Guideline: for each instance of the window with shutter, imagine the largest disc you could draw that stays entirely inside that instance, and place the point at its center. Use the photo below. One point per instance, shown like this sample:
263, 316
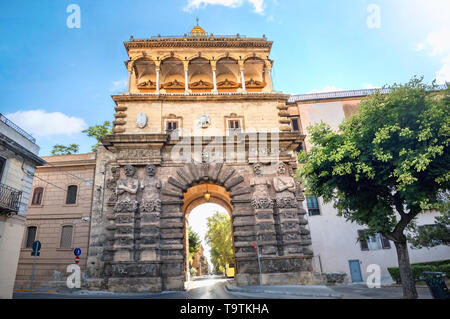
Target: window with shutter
313, 205
66, 237
363, 243
2, 166
234, 126
71, 194
295, 126
37, 196
171, 126
31, 236
385, 242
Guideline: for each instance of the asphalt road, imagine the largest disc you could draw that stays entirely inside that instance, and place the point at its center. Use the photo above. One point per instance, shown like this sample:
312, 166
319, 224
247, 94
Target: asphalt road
201, 288
210, 287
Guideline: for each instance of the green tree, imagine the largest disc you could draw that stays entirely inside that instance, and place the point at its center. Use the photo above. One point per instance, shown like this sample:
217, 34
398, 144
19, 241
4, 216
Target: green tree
65, 150
194, 243
433, 235
386, 164
220, 240
98, 131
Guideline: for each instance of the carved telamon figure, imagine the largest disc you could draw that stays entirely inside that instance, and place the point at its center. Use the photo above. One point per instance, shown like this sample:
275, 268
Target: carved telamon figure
151, 187
285, 188
111, 184
126, 190
260, 184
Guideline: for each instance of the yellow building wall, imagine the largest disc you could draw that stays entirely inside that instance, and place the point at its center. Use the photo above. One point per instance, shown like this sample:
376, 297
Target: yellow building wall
258, 115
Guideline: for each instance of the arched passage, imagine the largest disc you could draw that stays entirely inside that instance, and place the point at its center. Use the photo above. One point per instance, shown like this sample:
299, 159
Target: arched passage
193, 199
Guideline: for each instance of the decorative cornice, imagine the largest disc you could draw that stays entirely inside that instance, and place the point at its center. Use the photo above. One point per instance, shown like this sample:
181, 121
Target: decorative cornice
199, 42
193, 97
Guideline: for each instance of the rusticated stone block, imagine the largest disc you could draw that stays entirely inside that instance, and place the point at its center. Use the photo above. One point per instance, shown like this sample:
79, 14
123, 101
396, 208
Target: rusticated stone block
177, 183
135, 284
233, 182
226, 175
172, 269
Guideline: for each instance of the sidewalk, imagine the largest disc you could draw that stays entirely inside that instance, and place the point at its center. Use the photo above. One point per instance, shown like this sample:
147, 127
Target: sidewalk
343, 291
297, 290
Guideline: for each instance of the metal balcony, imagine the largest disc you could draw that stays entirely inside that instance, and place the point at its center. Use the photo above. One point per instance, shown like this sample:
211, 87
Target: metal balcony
17, 128
9, 199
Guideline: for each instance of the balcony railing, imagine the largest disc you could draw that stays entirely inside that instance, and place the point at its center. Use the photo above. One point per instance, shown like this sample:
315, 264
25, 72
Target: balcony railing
17, 128
9, 199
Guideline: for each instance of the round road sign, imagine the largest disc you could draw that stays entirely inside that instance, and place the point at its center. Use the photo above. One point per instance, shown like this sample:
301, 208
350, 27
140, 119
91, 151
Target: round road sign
36, 245
77, 251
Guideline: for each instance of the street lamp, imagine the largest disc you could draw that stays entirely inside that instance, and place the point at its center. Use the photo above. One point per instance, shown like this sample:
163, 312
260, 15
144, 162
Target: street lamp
207, 195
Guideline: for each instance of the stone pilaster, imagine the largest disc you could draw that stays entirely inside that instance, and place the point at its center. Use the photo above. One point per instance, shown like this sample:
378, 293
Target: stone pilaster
171, 244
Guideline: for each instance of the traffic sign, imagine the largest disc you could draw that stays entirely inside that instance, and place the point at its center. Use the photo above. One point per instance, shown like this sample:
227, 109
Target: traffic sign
36, 245
77, 259
77, 251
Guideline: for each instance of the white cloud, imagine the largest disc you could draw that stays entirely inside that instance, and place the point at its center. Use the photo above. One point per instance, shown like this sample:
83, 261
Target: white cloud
119, 86
443, 75
370, 86
438, 45
326, 89
439, 42
196, 4
39, 123
419, 47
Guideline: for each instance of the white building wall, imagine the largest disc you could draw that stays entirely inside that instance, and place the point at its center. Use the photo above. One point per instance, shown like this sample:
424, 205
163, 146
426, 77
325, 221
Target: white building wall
334, 240
18, 173
11, 233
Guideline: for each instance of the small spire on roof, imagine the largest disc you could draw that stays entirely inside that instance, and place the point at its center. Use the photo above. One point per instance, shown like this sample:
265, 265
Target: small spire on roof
197, 30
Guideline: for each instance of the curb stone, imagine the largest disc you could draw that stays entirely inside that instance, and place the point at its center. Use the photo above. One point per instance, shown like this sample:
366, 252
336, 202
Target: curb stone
269, 291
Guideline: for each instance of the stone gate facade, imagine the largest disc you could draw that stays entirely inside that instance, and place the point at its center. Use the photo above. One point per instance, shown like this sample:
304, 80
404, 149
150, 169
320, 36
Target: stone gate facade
226, 126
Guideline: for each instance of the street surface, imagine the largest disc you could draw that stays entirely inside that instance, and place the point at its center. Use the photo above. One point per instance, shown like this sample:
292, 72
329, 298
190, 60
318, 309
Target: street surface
214, 287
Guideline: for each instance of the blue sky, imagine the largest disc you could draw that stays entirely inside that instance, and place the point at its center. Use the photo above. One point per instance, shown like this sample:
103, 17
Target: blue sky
56, 81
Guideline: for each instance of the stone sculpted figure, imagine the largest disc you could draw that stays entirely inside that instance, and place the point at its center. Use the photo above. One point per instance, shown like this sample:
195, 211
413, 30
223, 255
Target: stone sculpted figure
260, 184
126, 190
151, 187
285, 189
111, 184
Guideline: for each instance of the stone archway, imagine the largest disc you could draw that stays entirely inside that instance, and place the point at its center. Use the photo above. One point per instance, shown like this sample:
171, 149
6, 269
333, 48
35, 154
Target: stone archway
142, 243
189, 177
193, 199
274, 220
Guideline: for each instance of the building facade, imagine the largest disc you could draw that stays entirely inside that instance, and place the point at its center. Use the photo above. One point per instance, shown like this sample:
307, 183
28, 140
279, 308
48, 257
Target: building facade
334, 240
199, 263
59, 217
18, 159
200, 112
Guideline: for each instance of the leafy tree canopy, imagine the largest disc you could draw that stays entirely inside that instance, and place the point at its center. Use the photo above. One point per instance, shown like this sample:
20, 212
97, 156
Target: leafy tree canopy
219, 238
65, 150
99, 131
393, 154
433, 235
194, 241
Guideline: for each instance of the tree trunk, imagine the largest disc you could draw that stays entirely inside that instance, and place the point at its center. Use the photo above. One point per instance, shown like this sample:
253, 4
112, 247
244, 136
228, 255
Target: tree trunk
406, 274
